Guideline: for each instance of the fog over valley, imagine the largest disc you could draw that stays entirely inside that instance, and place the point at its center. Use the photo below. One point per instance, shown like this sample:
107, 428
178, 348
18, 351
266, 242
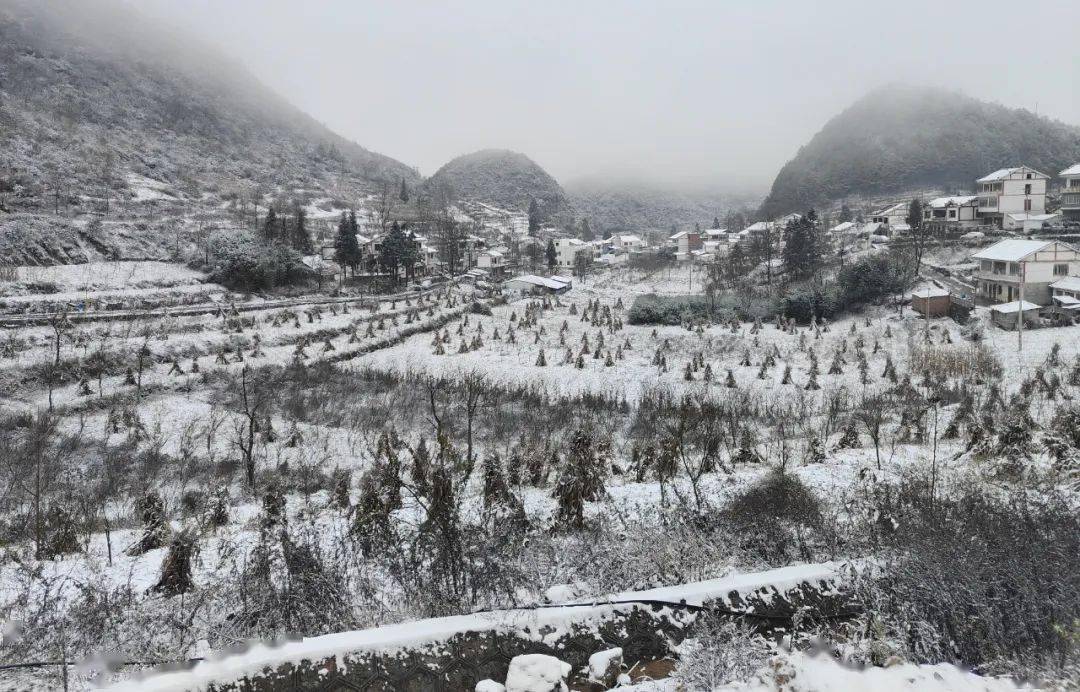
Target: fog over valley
717, 94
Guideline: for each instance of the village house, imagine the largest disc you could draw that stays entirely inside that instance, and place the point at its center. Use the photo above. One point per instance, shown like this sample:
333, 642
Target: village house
845, 227
952, 212
891, 217
1019, 190
686, 242
1036, 263
493, 262
567, 250
626, 243
1070, 193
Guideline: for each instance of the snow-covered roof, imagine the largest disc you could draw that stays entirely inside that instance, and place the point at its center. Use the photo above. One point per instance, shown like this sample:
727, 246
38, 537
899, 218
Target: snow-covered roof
891, 209
562, 279
492, 253
843, 227
1012, 250
958, 201
1008, 308
362, 239
901, 227
758, 226
677, 236
541, 281
973, 235
1071, 170
629, 239
930, 292
1068, 283
1066, 300
1003, 173
1024, 216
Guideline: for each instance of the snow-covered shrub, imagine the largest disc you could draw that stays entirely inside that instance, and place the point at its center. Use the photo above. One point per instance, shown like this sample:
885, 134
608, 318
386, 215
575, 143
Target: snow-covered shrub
722, 651
240, 260
966, 578
779, 519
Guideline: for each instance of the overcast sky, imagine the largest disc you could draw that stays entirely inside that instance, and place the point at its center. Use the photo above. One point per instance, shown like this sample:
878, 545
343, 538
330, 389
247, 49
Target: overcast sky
713, 91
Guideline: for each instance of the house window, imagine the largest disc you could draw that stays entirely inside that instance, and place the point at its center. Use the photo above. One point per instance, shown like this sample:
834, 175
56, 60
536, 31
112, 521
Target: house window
1061, 270
1027, 205
1027, 189
999, 267
1014, 268
952, 213
1028, 176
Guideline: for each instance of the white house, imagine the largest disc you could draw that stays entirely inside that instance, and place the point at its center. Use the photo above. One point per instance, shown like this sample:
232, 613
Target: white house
1011, 190
890, 216
492, 261
1037, 263
626, 243
567, 250
959, 211
847, 227
1070, 193
686, 243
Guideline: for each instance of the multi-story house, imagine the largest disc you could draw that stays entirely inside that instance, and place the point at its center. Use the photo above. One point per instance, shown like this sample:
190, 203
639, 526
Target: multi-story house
1070, 194
686, 242
567, 250
1036, 263
952, 212
1019, 190
493, 262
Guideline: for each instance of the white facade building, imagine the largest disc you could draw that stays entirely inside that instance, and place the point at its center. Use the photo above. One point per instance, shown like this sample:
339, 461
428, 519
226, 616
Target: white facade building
1019, 190
626, 243
890, 216
1070, 193
1037, 263
959, 211
567, 250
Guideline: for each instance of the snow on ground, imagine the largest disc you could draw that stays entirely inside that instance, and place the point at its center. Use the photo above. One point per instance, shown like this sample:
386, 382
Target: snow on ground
104, 276
803, 672
147, 189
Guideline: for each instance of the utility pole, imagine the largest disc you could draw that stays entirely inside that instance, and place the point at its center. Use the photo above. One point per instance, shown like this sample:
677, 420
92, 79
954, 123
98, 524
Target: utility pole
1020, 312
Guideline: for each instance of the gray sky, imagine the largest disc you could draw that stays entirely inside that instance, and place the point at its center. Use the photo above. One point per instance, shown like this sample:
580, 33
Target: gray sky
715, 92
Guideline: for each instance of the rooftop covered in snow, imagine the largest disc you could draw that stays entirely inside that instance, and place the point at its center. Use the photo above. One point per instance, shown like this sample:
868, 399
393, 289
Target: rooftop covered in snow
1014, 307
1012, 250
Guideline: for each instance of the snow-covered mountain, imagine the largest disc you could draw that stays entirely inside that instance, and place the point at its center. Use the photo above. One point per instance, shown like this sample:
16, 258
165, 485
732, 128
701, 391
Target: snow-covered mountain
100, 106
901, 138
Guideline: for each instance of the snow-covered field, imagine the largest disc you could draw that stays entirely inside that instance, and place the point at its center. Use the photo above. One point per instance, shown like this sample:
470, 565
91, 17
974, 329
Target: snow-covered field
177, 426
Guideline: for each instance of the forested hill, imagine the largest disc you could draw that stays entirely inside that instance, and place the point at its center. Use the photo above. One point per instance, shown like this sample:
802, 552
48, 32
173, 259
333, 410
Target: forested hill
505, 179
92, 92
901, 138
614, 206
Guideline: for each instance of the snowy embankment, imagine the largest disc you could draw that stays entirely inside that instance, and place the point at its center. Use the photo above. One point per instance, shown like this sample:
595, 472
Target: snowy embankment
802, 672
544, 625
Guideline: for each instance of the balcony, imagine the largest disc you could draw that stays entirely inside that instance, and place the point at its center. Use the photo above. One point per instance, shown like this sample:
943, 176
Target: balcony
989, 203
1070, 200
